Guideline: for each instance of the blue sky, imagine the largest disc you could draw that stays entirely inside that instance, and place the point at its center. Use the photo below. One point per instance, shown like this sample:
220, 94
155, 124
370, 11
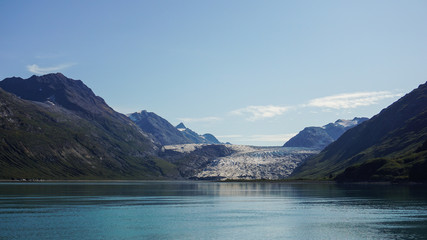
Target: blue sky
250, 72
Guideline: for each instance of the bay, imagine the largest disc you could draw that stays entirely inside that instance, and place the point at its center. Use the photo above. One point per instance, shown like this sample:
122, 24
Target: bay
211, 210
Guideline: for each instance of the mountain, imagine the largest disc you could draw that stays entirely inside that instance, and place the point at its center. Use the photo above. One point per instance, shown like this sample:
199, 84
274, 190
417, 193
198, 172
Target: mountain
162, 131
195, 137
181, 127
390, 146
210, 138
57, 89
54, 127
320, 137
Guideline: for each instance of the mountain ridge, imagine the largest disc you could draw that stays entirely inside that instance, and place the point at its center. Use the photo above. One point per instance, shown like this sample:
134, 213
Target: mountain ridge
162, 131
320, 137
206, 138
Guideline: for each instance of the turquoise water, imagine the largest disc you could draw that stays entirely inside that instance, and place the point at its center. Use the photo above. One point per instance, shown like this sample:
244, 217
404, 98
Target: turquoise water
208, 210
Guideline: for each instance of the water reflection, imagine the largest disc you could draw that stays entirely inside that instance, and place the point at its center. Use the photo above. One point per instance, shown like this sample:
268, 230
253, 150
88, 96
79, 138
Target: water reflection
95, 192
210, 210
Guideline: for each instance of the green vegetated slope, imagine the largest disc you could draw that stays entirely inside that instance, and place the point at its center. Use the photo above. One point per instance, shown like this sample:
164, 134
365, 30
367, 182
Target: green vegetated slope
390, 146
69, 133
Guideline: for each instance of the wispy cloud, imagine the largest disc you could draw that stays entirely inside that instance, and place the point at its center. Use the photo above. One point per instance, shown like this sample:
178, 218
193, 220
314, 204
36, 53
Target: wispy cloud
34, 68
203, 119
260, 112
351, 100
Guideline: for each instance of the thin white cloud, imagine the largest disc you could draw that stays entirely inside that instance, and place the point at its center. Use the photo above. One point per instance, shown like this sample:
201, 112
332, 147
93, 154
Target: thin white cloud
351, 100
260, 112
203, 119
34, 68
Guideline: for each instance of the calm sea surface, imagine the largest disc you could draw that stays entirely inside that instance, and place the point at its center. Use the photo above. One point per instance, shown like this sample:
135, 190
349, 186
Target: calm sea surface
208, 210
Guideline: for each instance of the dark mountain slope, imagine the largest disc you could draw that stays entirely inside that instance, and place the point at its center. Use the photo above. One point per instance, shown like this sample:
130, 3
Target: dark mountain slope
164, 132
387, 147
66, 132
56, 88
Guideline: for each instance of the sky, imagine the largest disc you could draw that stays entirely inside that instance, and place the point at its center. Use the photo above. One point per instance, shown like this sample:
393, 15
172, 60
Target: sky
249, 72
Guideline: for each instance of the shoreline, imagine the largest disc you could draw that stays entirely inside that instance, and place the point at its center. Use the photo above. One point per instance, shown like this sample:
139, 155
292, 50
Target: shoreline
299, 181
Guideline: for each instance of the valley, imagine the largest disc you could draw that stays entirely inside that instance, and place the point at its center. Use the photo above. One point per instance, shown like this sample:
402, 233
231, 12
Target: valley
54, 127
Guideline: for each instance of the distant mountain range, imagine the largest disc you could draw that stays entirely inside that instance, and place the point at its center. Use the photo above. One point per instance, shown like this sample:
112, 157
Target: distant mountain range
391, 146
320, 137
54, 127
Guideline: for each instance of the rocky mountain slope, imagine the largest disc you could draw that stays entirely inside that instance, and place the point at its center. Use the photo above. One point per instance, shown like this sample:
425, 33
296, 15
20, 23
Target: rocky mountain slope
54, 127
165, 133
320, 137
195, 137
390, 146
161, 130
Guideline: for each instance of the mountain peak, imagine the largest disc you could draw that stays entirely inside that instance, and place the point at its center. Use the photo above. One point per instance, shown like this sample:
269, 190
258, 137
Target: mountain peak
58, 75
350, 123
69, 93
161, 130
181, 126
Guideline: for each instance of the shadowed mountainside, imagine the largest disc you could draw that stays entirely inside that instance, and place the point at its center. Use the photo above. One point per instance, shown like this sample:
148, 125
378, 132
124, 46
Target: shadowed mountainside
390, 146
56, 128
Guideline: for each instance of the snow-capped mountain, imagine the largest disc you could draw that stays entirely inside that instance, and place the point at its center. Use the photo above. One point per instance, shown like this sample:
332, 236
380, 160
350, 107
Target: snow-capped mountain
320, 137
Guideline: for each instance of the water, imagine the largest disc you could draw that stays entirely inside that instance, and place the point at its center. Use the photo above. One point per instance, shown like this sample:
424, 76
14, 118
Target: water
207, 210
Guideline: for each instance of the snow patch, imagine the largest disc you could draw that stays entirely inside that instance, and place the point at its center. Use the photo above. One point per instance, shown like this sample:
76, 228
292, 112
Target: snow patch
183, 148
346, 123
133, 118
